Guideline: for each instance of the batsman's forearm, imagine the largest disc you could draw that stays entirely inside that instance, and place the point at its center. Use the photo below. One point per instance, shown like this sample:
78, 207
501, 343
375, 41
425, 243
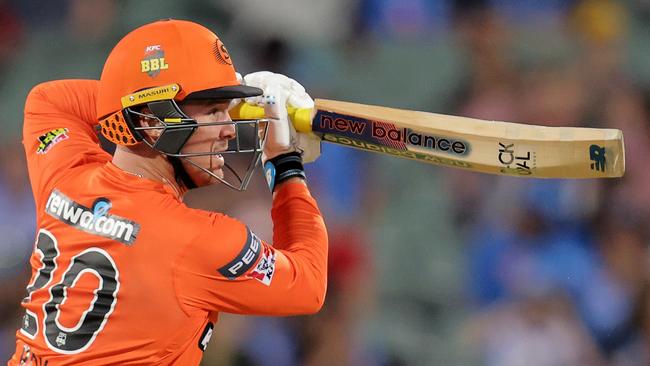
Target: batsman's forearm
299, 232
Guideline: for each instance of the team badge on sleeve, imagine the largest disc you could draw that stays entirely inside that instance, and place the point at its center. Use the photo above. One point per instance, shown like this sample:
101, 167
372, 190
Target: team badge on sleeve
255, 260
51, 138
265, 268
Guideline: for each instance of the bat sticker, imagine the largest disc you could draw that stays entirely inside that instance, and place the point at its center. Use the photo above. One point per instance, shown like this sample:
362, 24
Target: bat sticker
387, 134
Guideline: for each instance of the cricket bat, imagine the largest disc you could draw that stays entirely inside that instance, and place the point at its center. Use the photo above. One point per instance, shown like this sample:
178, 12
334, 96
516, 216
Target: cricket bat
503, 148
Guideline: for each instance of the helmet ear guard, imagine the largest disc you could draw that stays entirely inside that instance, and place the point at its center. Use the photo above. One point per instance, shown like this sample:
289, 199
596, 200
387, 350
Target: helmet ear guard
119, 130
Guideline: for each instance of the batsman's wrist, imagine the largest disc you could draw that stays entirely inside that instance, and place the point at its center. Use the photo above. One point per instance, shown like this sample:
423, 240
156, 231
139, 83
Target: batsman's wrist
294, 180
282, 168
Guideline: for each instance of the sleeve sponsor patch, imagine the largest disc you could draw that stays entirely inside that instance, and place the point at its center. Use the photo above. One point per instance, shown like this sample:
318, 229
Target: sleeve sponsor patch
256, 260
265, 268
205, 336
246, 258
51, 138
94, 220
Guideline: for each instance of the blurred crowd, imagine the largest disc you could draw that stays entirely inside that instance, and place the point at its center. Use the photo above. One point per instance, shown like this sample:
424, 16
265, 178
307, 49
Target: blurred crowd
428, 265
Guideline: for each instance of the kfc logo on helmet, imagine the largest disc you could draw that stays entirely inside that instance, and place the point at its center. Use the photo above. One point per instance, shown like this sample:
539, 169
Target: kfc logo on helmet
149, 49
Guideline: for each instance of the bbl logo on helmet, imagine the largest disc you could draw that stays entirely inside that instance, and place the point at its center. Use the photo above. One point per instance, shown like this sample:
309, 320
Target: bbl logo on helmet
153, 61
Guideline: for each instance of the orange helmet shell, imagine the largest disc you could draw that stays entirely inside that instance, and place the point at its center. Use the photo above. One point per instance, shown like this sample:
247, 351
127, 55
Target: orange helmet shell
161, 53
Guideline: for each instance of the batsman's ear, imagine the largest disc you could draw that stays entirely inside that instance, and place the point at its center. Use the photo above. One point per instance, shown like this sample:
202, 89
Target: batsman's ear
143, 121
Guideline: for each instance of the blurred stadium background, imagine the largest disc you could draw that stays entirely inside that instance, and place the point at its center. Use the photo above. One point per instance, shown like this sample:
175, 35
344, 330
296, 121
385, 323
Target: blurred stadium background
429, 265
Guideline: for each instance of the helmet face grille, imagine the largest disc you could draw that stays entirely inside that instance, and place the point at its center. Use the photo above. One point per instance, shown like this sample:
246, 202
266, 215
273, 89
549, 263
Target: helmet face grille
116, 130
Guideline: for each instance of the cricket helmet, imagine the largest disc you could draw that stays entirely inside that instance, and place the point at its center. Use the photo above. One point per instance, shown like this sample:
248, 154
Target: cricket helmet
159, 65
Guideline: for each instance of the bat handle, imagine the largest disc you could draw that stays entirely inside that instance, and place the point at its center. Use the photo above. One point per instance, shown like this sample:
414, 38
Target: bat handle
300, 117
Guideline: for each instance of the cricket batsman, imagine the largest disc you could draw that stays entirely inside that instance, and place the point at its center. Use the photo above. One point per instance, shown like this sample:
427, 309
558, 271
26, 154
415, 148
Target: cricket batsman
124, 273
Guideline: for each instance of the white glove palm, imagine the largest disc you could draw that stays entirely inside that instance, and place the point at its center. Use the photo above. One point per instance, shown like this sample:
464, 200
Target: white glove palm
280, 91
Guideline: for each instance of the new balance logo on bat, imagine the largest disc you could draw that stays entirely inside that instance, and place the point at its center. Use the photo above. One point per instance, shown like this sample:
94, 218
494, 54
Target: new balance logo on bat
387, 134
597, 156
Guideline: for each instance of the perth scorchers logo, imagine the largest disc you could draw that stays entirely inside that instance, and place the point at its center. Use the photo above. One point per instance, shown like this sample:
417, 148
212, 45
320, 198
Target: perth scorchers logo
221, 53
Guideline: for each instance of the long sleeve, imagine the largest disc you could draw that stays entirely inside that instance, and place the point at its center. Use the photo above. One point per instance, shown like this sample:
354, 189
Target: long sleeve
58, 131
229, 269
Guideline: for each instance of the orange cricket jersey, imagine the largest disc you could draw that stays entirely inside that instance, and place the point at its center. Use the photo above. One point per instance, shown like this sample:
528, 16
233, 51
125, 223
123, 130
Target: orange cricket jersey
123, 273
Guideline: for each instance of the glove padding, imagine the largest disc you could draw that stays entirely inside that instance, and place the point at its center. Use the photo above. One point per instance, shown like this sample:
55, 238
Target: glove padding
280, 91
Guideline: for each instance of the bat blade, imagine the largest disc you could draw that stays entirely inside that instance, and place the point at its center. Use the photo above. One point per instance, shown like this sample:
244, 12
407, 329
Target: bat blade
493, 147
484, 146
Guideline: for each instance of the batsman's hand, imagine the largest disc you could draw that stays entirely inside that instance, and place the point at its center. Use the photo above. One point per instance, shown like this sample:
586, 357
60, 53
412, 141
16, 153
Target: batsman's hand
279, 92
